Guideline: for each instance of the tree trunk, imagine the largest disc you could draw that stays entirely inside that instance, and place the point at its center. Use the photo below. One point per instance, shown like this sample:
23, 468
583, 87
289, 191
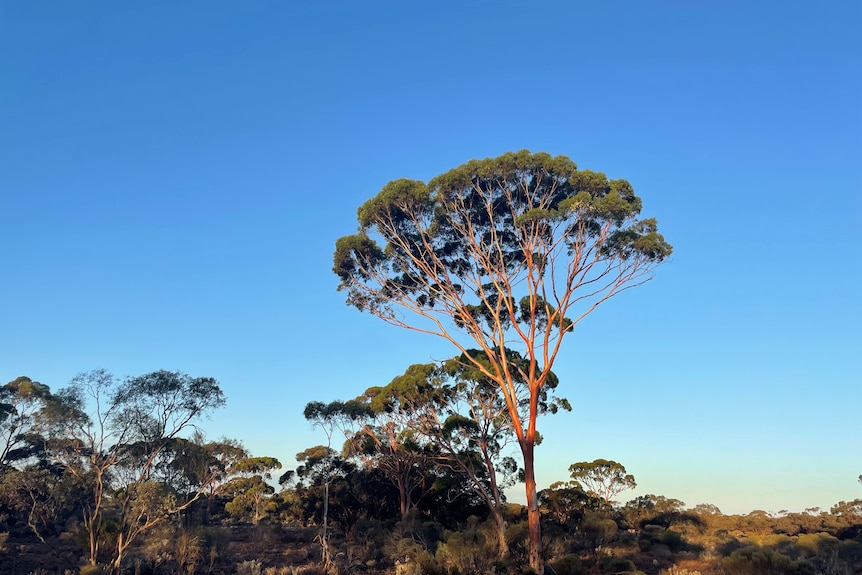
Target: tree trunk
115, 564
502, 544
92, 536
324, 539
403, 495
527, 449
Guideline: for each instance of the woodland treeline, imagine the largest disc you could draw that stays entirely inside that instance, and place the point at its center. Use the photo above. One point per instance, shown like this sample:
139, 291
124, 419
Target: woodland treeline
109, 476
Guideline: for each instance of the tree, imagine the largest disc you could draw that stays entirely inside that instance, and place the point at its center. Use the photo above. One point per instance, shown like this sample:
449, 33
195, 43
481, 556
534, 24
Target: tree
85, 445
358, 498
602, 478
20, 400
388, 443
567, 504
454, 408
645, 509
329, 418
205, 466
509, 252
114, 436
42, 494
380, 435
156, 407
249, 489
458, 409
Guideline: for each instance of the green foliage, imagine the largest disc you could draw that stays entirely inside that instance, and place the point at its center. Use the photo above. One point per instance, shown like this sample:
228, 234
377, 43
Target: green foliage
251, 501
20, 401
262, 466
163, 402
352, 255
569, 565
641, 510
602, 478
120, 441
250, 492
507, 202
598, 530
612, 565
755, 560
319, 412
652, 538
398, 199
470, 551
812, 544
566, 504
518, 539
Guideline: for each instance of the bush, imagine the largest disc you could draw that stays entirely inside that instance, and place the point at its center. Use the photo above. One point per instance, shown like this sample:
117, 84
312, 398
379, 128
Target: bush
518, 538
754, 560
472, 551
569, 565
653, 537
250, 567
617, 565
812, 544
598, 530
675, 570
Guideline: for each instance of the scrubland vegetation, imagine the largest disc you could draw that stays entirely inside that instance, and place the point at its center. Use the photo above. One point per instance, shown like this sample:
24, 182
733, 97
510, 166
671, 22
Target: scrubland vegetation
115, 488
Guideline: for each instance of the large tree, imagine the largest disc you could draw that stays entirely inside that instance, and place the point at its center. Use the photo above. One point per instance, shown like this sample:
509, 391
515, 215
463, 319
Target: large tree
505, 253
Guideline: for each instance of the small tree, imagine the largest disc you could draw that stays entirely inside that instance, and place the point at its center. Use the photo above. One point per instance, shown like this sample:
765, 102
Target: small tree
20, 401
508, 254
458, 410
111, 436
332, 417
567, 504
602, 478
196, 465
388, 443
250, 490
86, 444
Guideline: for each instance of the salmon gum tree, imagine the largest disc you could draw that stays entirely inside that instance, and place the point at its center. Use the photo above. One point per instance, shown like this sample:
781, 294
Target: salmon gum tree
506, 254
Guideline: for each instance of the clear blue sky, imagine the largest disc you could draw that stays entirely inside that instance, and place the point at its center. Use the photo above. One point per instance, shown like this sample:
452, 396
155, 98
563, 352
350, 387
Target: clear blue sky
173, 177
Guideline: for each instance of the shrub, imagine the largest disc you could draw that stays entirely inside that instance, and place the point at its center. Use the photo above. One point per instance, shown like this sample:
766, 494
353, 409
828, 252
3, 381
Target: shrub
598, 530
812, 544
472, 551
676, 570
518, 538
569, 565
754, 560
617, 565
250, 567
654, 537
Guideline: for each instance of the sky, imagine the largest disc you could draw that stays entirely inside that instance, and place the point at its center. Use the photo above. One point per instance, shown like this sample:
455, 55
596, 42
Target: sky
174, 175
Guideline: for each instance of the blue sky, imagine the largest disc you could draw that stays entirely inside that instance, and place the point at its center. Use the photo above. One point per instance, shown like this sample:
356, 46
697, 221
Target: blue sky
173, 177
